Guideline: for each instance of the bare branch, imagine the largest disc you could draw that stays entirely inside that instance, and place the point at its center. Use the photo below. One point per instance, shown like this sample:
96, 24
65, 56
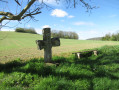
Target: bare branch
89, 7
10, 16
26, 12
74, 3
3, 18
17, 2
30, 14
26, 8
4, 24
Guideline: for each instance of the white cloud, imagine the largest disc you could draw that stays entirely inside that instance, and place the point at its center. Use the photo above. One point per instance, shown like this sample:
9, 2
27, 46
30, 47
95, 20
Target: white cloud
9, 22
38, 30
84, 23
6, 29
59, 13
28, 25
46, 26
93, 33
114, 15
70, 16
89, 34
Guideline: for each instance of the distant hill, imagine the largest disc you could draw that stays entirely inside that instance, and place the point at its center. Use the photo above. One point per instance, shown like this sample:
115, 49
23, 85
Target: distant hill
96, 38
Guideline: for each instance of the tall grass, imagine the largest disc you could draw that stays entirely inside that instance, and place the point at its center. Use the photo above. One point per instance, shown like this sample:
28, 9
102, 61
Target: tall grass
89, 73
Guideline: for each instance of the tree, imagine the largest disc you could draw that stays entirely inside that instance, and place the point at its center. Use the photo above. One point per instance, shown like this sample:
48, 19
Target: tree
113, 37
64, 34
107, 37
26, 30
28, 11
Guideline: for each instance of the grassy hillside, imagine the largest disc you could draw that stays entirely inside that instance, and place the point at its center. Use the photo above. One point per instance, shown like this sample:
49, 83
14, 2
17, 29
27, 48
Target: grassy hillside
89, 73
22, 45
13, 40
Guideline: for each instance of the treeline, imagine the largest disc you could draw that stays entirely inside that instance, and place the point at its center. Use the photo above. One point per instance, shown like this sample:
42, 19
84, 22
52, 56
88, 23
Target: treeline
26, 30
64, 34
111, 37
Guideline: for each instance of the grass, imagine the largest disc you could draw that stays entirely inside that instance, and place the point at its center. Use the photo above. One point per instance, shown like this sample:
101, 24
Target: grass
22, 45
89, 73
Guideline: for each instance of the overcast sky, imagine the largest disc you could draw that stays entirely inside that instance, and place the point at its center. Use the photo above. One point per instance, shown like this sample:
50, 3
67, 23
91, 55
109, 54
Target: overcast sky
103, 20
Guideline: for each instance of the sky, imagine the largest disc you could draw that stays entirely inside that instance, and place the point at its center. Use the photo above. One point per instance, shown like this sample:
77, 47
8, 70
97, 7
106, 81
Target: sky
95, 23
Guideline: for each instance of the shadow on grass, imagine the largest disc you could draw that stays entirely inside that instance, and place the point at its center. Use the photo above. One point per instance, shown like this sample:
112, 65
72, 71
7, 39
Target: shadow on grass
37, 66
8, 67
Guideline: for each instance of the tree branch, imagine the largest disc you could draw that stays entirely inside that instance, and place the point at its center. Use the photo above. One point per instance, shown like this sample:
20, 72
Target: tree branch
23, 14
30, 14
89, 7
26, 8
17, 2
3, 18
10, 16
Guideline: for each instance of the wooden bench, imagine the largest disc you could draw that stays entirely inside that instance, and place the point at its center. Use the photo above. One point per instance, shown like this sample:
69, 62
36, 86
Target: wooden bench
85, 53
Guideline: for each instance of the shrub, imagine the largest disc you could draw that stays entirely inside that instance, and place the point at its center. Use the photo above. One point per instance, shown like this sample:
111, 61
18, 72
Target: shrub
20, 30
113, 37
26, 30
64, 34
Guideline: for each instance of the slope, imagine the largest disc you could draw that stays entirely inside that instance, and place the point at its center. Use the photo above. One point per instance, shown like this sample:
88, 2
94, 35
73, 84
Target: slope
22, 45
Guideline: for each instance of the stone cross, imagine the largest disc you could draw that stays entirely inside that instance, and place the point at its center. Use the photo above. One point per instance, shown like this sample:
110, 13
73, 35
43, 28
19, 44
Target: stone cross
47, 43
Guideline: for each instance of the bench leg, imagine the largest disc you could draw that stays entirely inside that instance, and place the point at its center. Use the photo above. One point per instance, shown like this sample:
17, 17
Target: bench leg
95, 53
78, 55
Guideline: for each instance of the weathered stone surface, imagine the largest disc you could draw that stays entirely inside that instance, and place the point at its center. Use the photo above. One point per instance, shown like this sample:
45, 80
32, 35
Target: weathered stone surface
40, 44
47, 43
55, 41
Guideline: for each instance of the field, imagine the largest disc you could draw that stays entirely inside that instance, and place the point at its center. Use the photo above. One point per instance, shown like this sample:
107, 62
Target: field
26, 69
89, 73
22, 45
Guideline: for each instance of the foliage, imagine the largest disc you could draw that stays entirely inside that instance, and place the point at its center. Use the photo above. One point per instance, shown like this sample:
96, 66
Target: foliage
26, 30
113, 37
89, 73
64, 34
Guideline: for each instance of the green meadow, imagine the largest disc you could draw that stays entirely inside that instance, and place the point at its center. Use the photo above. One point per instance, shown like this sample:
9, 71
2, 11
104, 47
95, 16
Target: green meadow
89, 73
22, 66
22, 45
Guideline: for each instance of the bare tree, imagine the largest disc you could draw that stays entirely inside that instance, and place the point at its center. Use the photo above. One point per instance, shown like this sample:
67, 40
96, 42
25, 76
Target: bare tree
28, 11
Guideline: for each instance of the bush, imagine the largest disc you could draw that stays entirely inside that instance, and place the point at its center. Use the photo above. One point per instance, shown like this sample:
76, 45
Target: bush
64, 34
26, 30
20, 30
109, 37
